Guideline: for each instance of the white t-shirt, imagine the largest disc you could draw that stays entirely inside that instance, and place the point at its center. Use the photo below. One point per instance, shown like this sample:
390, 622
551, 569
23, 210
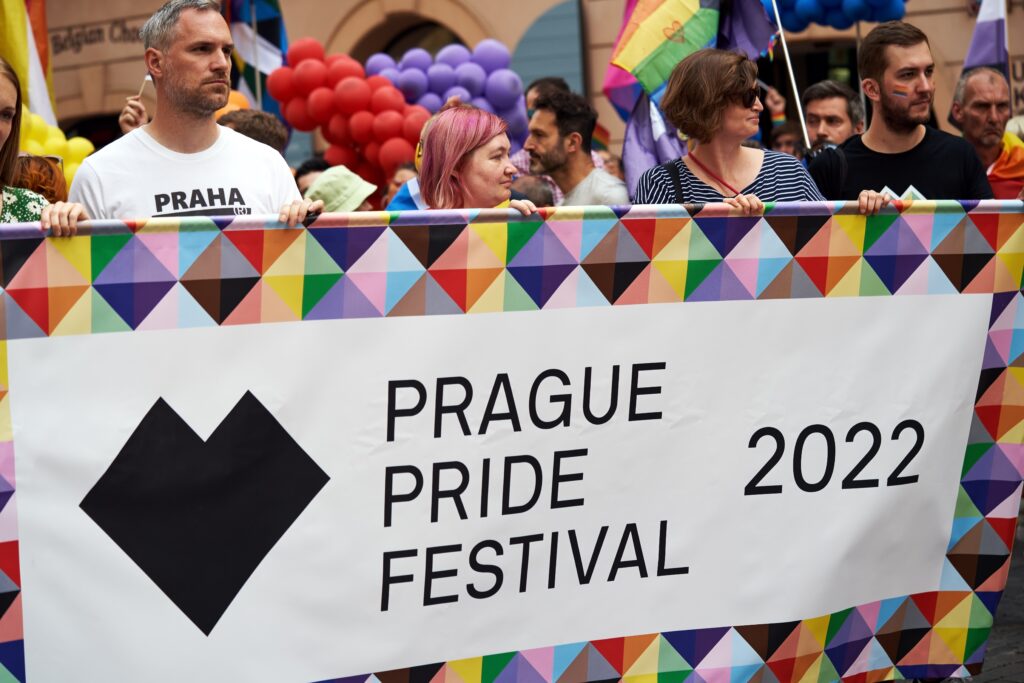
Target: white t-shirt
137, 177
598, 188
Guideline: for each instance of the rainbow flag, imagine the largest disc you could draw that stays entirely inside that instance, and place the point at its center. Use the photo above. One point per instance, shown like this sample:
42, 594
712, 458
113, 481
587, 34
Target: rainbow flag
256, 53
25, 46
659, 33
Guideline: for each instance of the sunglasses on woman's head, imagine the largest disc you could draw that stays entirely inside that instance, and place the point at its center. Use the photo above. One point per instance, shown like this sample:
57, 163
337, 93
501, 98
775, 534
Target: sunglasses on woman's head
49, 157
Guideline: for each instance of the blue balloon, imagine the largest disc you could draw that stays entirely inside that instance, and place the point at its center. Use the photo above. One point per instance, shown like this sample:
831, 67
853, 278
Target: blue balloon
453, 55
472, 77
378, 62
877, 3
430, 101
412, 83
416, 58
492, 55
783, 5
831, 4
482, 103
504, 89
440, 77
891, 11
858, 10
458, 91
810, 11
391, 74
791, 22
838, 19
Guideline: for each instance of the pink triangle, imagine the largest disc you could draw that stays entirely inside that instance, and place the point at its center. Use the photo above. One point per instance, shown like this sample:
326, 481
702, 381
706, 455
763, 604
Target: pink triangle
7, 461
1007, 320
869, 613
1015, 453
921, 225
373, 285
718, 675
745, 270
165, 315
1008, 508
720, 655
1002, 340
455, 256
750, 246
11, 625
374, 259
637, 291
33, 274
273, 309
565, 295
248, 311
164, 246
916, 283
659, 291
9, 521
542, 660
570, 234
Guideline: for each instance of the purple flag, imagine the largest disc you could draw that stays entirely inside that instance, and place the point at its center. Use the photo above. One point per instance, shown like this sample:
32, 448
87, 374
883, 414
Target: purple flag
650, 140
988, 43
744, 25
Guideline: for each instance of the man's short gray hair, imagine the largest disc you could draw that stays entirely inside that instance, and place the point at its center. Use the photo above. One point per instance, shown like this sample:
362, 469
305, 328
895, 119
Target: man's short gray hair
961, 85
159, 28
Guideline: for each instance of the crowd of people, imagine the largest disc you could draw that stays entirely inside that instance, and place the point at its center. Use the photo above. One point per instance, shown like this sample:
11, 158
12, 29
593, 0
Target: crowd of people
183, 160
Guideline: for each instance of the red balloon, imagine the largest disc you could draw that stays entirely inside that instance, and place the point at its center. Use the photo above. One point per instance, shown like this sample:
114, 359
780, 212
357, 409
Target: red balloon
371, 152
280, 84
413, 124
394, 152
304, 49
360, 126
377, 82
297, 113
336, 132
331, 59
369, 173
309, 76
342, 68
387, 125
351, 95
320, 104
387, 99
337, 155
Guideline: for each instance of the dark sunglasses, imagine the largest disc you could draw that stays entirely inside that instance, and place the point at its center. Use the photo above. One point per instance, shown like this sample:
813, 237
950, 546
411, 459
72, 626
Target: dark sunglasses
748, 97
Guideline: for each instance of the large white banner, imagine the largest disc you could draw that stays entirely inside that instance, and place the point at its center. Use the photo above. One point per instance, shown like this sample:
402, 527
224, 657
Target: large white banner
464, 485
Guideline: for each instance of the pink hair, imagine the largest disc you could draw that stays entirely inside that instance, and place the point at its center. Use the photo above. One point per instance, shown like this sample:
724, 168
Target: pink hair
451, 137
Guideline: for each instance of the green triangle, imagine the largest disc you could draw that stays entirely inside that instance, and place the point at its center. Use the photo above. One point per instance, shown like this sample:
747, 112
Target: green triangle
697, 272
516, 298
673, 676
314, 287
701, 248
827, 673
196, 224
965, 507
6, 676
599, 213
669, 660
870, 283
876, 226
974, 453
494, 665
318, 261
981, 618
518, 235
105, 318
976, 637
104, 248
835, 622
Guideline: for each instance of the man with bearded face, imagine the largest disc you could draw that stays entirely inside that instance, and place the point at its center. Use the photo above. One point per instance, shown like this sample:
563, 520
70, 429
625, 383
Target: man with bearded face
981, 108
182, 163
899, 152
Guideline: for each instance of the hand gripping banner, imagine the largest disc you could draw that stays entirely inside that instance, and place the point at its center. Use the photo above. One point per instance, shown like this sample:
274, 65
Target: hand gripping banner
676, 445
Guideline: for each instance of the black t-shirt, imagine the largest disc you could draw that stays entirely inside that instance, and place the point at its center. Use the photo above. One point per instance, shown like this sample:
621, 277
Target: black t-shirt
941, 166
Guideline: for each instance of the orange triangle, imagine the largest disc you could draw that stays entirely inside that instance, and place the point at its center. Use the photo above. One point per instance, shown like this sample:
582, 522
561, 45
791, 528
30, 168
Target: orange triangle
62, 300
665, 232
633, 647
478, 280
1009, 417
838, 267
275, 242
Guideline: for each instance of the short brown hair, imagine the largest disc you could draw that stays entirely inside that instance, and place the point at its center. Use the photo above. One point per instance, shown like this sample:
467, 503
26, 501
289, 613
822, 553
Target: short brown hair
258, 125
872, 62
701, 86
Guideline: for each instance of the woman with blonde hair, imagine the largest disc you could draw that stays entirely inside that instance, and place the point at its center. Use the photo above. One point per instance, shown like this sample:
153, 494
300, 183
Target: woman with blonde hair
18, 205
712, 97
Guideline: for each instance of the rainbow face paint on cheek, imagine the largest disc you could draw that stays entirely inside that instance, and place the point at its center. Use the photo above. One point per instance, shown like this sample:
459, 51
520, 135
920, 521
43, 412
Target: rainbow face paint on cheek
900, 91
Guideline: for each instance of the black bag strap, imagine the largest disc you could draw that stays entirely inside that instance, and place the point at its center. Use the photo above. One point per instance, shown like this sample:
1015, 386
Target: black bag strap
677, 182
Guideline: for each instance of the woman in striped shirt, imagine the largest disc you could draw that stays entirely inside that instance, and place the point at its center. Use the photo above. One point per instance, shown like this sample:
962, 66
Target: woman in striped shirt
712, 97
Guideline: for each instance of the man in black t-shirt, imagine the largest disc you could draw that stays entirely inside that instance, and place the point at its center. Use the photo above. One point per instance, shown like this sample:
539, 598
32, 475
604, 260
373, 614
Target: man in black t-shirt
899, 152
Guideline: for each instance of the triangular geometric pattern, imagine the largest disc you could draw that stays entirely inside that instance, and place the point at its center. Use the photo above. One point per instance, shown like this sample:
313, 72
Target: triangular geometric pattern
201, 272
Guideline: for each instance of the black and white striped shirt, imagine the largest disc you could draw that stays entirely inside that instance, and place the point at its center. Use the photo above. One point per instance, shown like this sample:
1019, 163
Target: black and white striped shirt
782, 178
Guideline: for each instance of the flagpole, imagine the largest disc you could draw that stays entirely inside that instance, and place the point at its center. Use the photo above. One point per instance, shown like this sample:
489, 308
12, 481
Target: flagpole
256, 55
863, 99
1009, 59
792, 77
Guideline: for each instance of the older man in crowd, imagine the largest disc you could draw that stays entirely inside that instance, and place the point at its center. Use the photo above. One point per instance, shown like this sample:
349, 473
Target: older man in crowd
981, 108
182, 162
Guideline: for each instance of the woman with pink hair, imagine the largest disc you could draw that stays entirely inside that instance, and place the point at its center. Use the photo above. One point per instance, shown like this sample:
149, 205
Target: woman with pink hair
466, 162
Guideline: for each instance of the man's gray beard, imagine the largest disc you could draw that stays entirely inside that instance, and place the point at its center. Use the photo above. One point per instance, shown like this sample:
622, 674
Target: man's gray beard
194, 106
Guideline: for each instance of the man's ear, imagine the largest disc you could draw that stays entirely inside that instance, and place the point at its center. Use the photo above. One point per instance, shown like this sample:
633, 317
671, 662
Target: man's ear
871, 89
154, 62
573, 142
957, 112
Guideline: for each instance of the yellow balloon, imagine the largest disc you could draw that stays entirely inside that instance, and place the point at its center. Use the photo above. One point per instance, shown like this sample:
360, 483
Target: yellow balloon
78, 149
69, 172
26, 120
33, 147
40, 129
56, 144
55, 132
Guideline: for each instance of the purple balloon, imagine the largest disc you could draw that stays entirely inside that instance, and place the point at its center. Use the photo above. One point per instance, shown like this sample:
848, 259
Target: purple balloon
416, 58
391, 74
503, 88
457, 91
516, 119
440, 77
431, 102
453, 55
472, 77
378, 62
482, 103
492, 55
412, 83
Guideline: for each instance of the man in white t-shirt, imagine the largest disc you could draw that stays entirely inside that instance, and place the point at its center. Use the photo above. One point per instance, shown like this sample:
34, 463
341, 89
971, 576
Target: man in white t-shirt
182, 163
561, 130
